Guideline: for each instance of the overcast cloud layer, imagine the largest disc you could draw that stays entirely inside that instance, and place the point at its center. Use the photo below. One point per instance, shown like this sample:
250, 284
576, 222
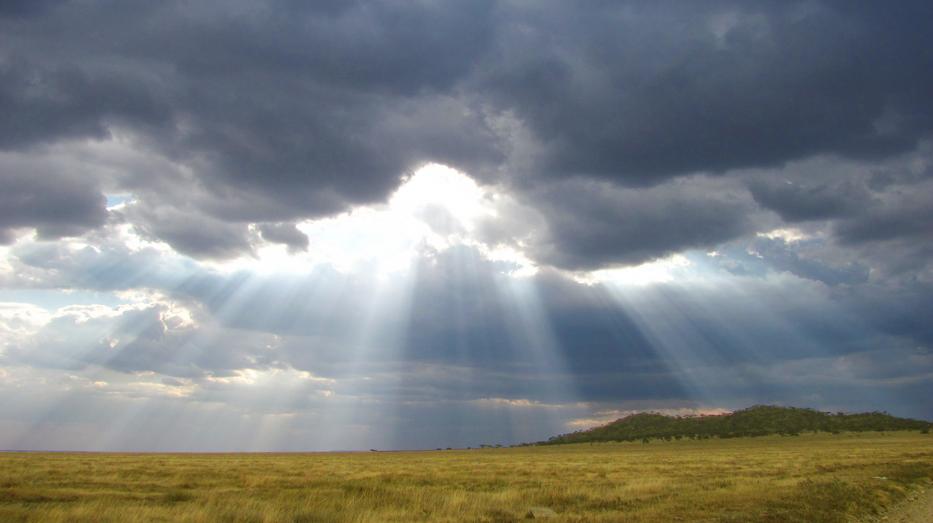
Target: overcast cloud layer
218, 212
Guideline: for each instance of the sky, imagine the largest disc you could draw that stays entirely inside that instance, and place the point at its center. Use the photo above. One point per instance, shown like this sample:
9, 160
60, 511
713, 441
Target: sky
251, 226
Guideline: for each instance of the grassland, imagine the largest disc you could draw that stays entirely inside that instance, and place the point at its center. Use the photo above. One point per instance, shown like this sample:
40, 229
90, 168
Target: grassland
819, 477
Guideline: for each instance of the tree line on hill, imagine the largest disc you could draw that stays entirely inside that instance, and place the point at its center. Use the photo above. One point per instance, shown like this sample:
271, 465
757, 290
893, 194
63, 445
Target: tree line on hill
760, 420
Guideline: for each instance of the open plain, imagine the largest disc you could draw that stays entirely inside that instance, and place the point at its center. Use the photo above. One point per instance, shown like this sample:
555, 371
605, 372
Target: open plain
813, 477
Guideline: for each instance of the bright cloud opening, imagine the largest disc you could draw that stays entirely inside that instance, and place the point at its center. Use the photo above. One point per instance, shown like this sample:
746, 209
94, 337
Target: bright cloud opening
657, 271
436, 207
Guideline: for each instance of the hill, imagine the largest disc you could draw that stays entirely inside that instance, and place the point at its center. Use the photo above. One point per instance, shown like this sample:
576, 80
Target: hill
760, 420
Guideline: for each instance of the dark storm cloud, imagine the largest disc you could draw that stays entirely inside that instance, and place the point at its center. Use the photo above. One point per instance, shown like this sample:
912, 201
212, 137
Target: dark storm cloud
893, 233
284, 233
796, 202
901, 310
55, 203
639, 92
286, 111
44, 103
26, 7
189, 232
592, 225
908, 217
315, 108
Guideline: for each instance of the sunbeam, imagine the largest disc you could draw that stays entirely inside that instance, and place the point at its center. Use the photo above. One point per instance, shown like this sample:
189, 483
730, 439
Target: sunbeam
421, 227
416, 308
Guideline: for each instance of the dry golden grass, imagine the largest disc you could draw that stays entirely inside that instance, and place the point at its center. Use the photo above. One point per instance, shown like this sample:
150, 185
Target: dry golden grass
807, 478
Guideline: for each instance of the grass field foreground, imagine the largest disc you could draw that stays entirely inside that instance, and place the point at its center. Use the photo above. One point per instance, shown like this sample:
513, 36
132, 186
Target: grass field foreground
814, 477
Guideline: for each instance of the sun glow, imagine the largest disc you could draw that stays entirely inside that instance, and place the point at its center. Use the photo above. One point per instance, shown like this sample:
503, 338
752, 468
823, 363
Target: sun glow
443, 198
436, 207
